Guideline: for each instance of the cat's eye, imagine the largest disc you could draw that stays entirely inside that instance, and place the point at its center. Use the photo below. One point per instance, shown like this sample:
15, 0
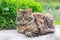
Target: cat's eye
19, 15
18, 18
27, 17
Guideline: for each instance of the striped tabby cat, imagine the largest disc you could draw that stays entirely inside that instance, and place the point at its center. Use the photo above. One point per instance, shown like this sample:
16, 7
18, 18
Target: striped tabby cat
34, 24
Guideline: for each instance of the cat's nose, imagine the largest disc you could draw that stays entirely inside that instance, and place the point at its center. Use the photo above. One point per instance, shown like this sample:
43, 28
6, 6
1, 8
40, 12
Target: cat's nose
24, 24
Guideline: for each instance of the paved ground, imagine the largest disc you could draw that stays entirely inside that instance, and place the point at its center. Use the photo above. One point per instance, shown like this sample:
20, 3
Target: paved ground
14, 35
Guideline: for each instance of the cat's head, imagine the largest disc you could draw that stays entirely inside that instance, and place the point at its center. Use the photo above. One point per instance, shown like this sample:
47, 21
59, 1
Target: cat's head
24, 16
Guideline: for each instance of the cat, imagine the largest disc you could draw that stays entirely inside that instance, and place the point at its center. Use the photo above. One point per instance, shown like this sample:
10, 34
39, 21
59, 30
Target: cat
34, 24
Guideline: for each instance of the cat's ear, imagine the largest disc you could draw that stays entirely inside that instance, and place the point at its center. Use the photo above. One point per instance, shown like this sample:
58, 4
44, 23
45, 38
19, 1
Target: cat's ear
30, 10
19, 10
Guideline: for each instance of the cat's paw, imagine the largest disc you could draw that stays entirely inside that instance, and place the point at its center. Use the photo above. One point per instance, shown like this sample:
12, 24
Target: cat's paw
42, 32
28, 34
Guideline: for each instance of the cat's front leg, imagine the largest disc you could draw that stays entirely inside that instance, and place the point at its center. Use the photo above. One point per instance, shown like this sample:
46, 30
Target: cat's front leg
31, 34
28, 34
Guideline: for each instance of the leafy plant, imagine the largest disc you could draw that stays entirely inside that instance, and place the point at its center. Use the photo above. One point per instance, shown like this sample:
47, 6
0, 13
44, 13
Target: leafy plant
8, 11
26, 4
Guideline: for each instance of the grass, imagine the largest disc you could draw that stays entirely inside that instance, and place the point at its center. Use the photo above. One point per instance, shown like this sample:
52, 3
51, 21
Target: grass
57, 22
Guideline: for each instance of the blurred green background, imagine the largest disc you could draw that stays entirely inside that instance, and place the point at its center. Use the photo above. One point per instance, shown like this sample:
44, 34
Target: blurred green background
8, 10
52, 7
